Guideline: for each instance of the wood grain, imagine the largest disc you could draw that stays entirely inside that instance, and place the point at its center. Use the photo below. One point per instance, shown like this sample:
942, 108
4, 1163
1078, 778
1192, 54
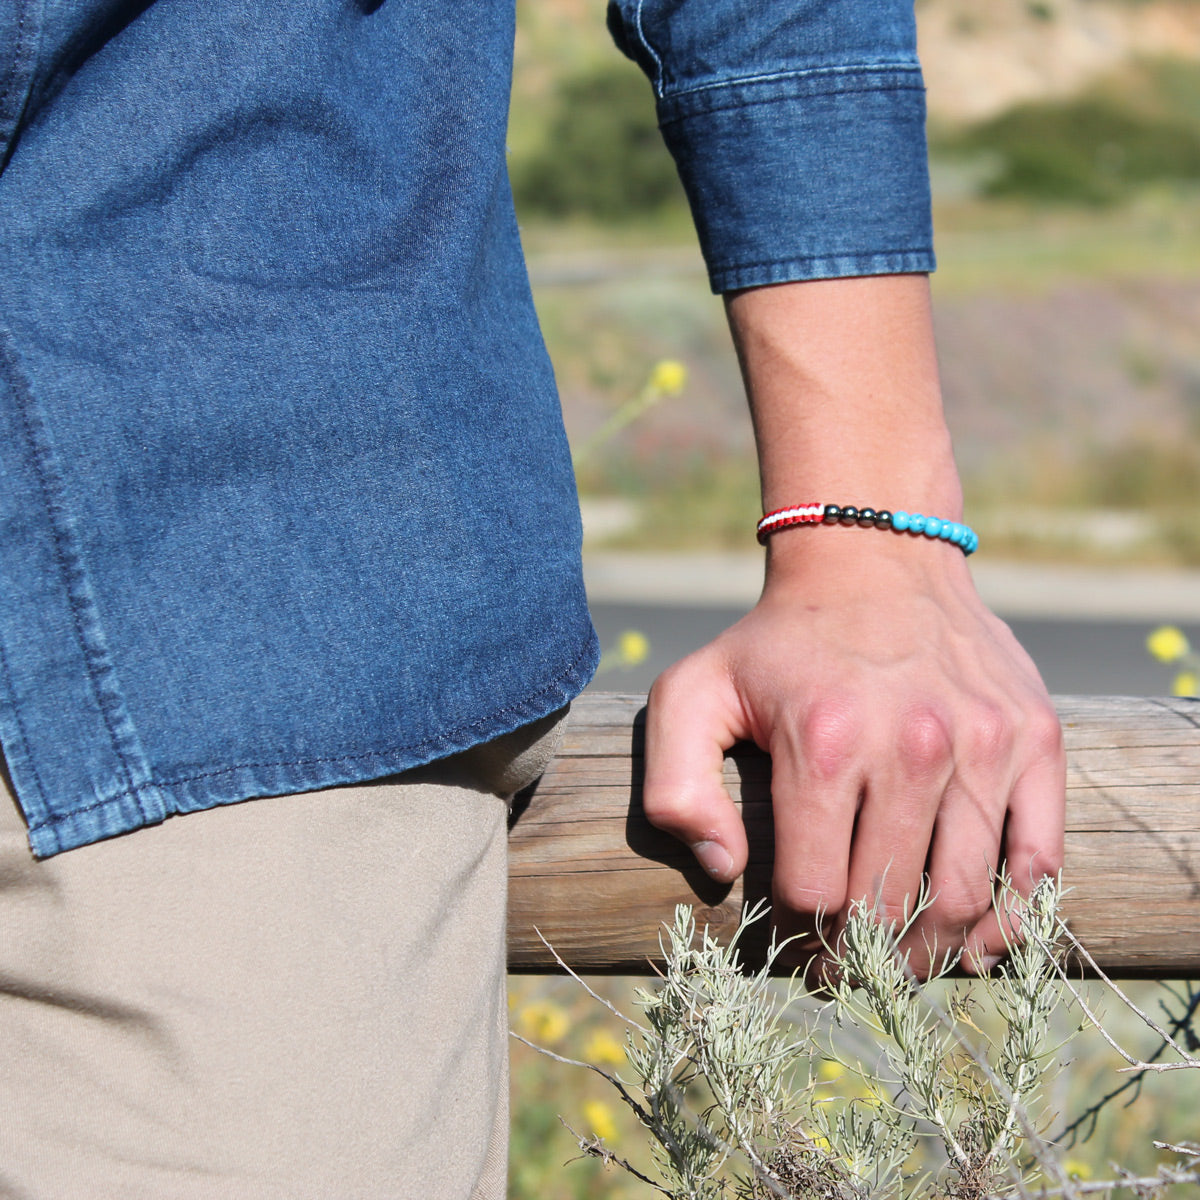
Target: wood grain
598, 882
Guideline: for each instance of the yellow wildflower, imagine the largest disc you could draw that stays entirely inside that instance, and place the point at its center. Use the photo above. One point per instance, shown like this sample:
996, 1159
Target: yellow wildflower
668, 377
603, 1049
1168, 644
543, 1021
1077, 1169
599, 1117
1187, 683
632, 647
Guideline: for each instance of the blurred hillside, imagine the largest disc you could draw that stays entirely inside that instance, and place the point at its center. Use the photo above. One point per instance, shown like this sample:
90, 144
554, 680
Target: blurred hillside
981, 59
1067, 97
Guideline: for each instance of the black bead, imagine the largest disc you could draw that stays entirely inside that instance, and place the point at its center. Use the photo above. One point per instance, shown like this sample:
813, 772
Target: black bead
866, 516
883, 519
849, 514
832, 514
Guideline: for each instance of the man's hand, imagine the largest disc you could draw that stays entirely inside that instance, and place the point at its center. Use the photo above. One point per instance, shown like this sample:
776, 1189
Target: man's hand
909, 732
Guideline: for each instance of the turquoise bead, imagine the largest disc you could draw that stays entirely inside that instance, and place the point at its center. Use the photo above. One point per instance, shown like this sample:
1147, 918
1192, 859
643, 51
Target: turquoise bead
954, 532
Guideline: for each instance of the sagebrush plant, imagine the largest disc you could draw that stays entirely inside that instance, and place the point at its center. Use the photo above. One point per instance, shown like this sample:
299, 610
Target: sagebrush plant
875, 1087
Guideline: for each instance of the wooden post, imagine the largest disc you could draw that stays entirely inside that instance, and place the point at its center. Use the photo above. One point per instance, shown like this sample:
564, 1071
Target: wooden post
598, 882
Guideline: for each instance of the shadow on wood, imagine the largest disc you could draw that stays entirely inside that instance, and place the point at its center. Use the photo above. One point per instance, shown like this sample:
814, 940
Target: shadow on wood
598, 881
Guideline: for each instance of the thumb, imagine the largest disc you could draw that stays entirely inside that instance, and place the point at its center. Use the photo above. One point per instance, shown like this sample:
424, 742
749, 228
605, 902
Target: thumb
692, 718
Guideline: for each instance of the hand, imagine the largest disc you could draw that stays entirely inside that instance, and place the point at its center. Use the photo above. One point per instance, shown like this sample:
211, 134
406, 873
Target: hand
909, 733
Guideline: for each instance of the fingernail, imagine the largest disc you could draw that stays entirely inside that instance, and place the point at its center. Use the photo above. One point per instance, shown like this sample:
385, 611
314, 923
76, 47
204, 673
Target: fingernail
714, 858
985, 964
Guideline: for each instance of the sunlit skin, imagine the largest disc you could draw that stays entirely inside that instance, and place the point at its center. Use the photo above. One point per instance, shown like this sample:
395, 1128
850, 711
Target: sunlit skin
908, 730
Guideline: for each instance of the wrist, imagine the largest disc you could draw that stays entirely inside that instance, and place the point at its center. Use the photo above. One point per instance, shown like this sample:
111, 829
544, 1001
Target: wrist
897, 467
859, 557
901, 521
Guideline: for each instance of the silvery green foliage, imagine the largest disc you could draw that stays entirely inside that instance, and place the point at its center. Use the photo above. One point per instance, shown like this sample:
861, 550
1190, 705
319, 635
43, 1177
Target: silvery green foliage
717, 1065
728, 1086
980, 1097
940, 1093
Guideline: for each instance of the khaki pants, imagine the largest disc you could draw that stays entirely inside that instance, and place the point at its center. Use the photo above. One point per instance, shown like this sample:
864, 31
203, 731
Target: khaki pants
298, 998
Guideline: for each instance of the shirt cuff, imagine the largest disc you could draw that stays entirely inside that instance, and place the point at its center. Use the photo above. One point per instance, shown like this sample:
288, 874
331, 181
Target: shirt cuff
805, 175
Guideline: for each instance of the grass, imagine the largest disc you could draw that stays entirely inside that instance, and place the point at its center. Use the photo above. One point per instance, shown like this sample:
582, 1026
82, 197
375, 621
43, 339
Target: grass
1018, 248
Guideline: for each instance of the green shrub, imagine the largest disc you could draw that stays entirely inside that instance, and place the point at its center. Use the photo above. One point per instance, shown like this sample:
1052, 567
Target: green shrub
602, 155
1090, 151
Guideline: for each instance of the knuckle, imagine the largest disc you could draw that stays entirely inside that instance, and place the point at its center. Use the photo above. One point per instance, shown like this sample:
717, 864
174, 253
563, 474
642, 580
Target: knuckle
991, 736
1037, 862
889, 909
671, 685
961, 907
1045, 863
830, 738
924, 743
1045, 734
669, 809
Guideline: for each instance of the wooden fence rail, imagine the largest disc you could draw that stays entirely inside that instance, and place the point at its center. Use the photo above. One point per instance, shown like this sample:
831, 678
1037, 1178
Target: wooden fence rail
598, 881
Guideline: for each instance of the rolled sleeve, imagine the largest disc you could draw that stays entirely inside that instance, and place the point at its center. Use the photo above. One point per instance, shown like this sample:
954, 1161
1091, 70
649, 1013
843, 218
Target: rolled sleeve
798, 129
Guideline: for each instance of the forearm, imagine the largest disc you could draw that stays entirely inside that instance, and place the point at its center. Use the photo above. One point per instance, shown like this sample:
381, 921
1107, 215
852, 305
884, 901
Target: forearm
843, 386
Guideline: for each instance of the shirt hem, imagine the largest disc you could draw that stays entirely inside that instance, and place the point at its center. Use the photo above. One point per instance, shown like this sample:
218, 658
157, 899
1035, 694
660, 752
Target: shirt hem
121, 814
805, 267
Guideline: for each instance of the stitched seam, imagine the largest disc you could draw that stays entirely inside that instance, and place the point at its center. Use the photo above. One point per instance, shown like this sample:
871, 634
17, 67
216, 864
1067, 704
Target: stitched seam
12, 73
22, 732
10, 86
806, 73
641, 33
740, 104
133, 790
24, 402
856, 254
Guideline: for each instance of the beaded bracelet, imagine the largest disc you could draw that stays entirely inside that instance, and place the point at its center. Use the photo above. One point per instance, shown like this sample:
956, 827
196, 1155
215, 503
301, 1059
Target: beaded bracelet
962, 536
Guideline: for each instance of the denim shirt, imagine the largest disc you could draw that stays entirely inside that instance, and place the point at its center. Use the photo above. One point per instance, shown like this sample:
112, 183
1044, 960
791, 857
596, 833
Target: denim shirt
286, 497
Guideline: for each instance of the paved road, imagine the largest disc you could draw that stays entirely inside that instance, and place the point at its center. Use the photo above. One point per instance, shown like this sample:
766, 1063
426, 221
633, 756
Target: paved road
1092, 656
1085, 627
